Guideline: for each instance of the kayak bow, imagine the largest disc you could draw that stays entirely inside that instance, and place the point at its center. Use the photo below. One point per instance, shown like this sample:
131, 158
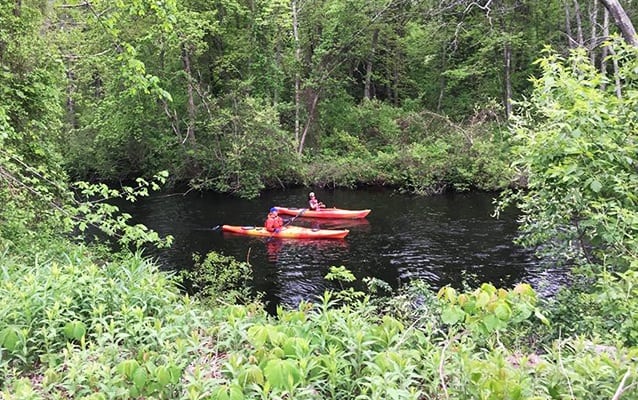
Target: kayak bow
324, 212
288, 232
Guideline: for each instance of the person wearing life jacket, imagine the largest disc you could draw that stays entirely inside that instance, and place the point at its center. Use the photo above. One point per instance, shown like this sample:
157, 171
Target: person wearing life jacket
313, 203
273, 222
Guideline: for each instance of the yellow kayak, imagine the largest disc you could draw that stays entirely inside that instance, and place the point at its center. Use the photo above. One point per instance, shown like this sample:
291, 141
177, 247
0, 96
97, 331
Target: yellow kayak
287, 232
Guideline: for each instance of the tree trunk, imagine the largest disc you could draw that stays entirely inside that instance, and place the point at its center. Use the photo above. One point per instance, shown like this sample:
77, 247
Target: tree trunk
367, 91
395, 84
579, 24
618, 83
622, 21
568, 26
70, 101
442, 80
593, 22
295, 32
190, 130
605, 49
507, 58
314, 95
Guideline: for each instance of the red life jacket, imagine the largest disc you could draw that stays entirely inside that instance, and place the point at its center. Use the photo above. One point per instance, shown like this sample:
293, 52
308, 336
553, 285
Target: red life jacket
273, 223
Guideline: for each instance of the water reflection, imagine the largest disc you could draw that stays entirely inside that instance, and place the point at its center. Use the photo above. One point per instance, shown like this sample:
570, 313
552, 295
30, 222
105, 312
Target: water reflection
361, 224
298, 267
295, 268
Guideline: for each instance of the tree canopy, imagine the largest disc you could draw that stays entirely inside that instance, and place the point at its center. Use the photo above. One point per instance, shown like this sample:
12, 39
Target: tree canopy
208, 89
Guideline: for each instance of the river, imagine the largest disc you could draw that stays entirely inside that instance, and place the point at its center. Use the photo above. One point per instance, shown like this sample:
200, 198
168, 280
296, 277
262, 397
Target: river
447, 239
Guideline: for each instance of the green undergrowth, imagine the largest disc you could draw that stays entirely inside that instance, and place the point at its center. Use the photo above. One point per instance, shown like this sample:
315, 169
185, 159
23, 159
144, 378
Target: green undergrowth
450, 159
76, 326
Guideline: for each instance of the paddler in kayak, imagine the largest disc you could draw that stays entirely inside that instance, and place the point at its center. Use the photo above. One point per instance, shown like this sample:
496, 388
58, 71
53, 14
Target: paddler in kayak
273, 222
313, 203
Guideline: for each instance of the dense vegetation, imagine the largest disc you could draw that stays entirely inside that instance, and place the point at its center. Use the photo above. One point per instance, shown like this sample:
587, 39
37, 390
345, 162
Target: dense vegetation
236, 96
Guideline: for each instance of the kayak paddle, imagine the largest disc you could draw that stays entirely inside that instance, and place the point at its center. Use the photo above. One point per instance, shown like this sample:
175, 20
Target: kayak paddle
303, 210
214, 228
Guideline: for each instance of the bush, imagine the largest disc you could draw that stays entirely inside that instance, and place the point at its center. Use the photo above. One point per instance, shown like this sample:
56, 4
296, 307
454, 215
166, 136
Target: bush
219, 279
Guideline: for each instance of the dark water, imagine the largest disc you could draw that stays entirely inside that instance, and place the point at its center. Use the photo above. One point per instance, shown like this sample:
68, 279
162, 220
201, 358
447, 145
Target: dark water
449, 239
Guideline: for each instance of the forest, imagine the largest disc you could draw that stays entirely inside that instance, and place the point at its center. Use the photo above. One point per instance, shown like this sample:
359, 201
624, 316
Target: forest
102, 100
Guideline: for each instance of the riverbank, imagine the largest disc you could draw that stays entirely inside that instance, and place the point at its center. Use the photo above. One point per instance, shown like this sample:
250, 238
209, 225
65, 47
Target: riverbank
413, 158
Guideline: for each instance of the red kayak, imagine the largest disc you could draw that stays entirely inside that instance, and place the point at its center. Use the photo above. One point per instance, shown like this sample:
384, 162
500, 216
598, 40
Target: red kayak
324, 213
288, 232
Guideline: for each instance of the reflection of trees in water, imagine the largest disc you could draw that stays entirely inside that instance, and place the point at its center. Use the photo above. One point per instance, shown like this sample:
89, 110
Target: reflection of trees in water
361, 224
315, 247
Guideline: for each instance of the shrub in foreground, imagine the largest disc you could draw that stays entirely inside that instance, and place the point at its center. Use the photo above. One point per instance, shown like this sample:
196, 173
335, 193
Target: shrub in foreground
74, 328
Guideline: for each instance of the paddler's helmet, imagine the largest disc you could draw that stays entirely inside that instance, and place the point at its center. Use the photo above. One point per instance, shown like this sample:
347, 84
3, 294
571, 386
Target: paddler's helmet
311, 194
273, 210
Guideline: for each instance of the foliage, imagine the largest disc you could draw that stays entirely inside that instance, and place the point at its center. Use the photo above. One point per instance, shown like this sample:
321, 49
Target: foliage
421, 153
86, 207
246, 151
488, 310
576, 148
218, 92
113, 119
121, 329
343, 275
30, 98
207, 90
37, 202
218, 278
599, 306
577, 151
93, 210
616, 295
78, 317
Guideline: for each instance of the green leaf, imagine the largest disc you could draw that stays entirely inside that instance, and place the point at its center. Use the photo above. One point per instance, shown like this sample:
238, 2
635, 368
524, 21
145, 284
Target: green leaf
140, 377
228, 393
492, 323
503, 312
282, 374
482, 299
595, 185
127, 368
541, 317
176, 374
295, 346
258, 334
451, 315
75, 330
236, 393
162, 375
251, 374
9, 338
